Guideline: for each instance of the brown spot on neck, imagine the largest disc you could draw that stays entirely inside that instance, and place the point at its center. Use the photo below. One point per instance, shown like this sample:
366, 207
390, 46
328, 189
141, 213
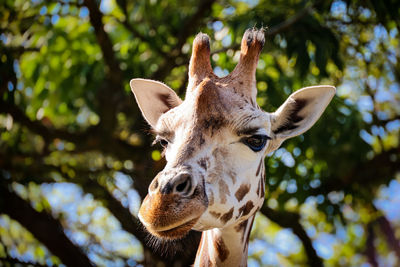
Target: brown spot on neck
227, 216
259, 188
221, 249
263, 185
215, 214
246, 208
211, 199
232, 174
223, 191
246, 235
242, 191
241, 226
259, 167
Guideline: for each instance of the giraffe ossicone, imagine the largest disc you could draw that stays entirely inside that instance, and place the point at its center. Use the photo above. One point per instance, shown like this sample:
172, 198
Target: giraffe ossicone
215, 142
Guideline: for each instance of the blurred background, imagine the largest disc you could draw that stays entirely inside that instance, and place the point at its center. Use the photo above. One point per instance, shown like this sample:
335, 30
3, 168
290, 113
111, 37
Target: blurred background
75, 153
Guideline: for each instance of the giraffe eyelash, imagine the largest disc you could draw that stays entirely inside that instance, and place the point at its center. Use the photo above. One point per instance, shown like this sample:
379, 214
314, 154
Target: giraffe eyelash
159, 140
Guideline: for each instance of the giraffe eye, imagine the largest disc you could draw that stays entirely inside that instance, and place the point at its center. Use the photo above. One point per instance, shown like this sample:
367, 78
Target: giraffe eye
163, 142
256, 142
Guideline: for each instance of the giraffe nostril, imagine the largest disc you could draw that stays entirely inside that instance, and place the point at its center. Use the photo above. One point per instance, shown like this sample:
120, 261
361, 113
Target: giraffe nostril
183, 184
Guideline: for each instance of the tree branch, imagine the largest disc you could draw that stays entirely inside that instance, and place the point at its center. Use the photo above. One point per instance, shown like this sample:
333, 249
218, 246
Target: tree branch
364, 173
44, 227
37, 126
370, 250
390, 235
291, 220
96, 19
91, 139
285, 25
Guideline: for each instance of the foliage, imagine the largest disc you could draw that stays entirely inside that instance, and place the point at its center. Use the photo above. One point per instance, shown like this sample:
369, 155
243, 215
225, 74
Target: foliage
75, 148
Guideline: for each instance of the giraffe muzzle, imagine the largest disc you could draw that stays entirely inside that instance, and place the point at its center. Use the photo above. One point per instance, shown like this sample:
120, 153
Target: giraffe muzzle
172, 208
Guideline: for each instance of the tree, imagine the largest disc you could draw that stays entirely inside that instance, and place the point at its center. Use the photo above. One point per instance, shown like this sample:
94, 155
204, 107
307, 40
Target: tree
75, 156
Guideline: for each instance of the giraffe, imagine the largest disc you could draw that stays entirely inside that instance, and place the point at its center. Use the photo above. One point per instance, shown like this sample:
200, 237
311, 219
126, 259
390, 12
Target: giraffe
215, 142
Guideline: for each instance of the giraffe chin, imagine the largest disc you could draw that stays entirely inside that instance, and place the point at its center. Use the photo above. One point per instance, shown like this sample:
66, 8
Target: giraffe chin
174, 233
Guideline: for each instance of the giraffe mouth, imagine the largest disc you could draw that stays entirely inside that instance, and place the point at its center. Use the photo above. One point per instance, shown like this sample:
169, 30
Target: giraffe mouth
173, 232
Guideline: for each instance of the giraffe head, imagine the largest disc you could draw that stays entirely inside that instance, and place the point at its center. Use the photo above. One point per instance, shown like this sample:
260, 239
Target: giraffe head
215, 141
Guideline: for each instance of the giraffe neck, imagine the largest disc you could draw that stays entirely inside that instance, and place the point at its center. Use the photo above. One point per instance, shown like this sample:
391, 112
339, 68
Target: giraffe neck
225, 246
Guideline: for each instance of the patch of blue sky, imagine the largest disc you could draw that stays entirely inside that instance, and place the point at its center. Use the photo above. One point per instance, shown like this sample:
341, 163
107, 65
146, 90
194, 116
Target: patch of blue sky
393, 32
217, 25
315, 183
323, 244
229, 10
292, 186
253, 263
106, 6
268, 252
83, 12
367, 117
338, 8
365, 103
389, 200
226, 41
251, 3
344, 90
288, 159
340, 230
311, 231
270, 257
383, 96
65, 9
286, 242
382, 115
365, 12
17, 69
345, 111
10, 86
59, 194
220, 72
123, 181
285, 157
393, 125
378, 130
118, 194
43, 10
80, 238
358, 230
54, 19
134, 201
395, 88
380, 32
369, 139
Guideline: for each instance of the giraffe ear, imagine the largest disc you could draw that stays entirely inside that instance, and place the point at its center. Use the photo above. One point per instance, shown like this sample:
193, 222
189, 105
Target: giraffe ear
300, 111
154, 98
